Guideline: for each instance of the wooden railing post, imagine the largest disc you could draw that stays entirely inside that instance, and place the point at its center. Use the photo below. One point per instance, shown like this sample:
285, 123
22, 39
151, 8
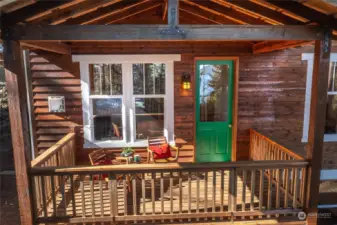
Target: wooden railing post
314, 146
18, 112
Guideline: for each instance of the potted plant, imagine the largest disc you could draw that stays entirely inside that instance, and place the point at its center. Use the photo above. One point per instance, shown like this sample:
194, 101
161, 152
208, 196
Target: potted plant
127, 151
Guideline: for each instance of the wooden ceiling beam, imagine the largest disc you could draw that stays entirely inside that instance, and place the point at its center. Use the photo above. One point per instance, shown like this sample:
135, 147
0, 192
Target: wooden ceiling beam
39, 17
101, 12
37, 8
127, 12
164, 10
267, 46
265, 12
81, 9
190, 18
207, 15
59, 48
157, 32
229, 13
132, 12
306, 12
15, 5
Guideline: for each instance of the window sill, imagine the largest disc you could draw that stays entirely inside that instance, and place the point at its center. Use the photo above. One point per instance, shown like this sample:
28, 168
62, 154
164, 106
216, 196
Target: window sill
327, 138
115, 144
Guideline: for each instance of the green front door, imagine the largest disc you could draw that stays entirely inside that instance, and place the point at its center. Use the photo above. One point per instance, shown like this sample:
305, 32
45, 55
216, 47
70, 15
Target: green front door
214, 94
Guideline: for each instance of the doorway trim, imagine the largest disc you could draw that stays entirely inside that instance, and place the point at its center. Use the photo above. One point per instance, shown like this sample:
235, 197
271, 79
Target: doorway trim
235, 101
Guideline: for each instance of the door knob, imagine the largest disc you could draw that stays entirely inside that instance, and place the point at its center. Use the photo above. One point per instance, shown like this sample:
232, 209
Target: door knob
230, 125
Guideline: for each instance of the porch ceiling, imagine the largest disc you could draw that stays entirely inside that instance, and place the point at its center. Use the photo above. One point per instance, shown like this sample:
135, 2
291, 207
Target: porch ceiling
218, 11
227, 12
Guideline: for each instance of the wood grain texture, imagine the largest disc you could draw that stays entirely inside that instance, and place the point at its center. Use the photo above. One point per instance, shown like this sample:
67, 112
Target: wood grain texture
18, 112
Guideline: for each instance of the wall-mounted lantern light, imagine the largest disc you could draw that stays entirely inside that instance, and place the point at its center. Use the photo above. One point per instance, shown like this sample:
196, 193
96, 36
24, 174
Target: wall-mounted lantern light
186, 81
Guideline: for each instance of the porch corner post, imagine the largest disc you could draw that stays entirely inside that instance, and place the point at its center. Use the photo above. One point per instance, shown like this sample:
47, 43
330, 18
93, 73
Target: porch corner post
18, 112
314, 147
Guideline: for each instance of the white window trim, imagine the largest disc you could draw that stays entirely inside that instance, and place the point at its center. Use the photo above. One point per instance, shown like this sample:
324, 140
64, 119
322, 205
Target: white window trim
126, 61
310, 58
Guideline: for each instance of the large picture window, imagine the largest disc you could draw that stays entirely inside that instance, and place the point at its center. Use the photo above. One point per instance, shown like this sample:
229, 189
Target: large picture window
126, 99
330, 129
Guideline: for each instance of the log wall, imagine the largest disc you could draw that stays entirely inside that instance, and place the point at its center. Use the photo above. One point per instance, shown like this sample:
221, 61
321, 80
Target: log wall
271, 92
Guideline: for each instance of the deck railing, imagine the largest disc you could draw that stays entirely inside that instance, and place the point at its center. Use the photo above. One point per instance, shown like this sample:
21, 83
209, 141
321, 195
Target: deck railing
263, 148
60, 154
170, 192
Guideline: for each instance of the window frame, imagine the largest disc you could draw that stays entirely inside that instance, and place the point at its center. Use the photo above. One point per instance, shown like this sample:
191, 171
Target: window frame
128, 98
309, 57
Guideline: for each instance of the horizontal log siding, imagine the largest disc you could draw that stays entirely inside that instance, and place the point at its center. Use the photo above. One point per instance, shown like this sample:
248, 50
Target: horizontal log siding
271, 93
49, 79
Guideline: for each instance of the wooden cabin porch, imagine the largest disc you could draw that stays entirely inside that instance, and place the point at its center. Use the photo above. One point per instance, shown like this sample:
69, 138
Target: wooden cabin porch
242, 190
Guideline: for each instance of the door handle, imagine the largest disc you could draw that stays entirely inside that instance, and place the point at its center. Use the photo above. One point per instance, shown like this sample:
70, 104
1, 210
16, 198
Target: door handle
230, 125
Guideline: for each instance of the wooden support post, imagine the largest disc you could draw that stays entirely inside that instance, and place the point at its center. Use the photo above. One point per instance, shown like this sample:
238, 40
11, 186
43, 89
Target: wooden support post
173, 13
17, 104
314, 146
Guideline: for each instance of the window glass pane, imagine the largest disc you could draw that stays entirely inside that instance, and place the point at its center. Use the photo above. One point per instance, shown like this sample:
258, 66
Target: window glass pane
138, 79
107, 116
149, 117
106, 79
148, 78
214, 92
331, 115
332, 77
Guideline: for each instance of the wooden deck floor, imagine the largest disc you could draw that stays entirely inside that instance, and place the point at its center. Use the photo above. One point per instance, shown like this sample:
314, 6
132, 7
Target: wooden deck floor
144, 201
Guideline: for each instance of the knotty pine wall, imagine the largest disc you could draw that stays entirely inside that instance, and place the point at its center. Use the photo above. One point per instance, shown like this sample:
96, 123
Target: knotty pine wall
271, 92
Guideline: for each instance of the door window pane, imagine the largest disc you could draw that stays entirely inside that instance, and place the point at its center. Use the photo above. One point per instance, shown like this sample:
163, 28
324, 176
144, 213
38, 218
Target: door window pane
107, 116
106, 79
149, 117
213, 90
148, 78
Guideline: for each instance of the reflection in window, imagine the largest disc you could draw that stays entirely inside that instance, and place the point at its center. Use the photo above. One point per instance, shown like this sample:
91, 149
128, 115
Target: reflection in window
149, 117
148, 78
107, 116
106, 79
213, 92
331, 108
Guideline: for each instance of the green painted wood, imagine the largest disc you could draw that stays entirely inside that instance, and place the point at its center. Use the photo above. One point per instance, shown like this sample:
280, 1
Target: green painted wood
214, 102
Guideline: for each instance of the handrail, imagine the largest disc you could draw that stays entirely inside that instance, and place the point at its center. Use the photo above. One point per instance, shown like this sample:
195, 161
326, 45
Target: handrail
176, 191
50, 152
168, 167
263, 148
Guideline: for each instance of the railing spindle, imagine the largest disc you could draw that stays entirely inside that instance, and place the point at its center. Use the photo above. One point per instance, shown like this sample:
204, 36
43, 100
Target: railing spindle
198, 193
296, 183
205, 193
153, 177
72, 187
92, 195
252, 193
286, 188
213, 193
82, 177
44, 200
171, 194
180, 193
244, 184
53, 195
143, 194
162, 192
261, 189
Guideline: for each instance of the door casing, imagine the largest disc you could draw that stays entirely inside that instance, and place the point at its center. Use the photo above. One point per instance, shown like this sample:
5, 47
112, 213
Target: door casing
235, 59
